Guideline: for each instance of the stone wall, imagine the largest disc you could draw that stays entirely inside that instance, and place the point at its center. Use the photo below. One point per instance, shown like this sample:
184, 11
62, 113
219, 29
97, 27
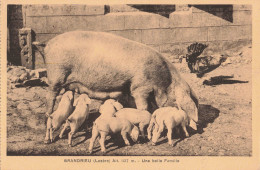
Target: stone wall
167, 28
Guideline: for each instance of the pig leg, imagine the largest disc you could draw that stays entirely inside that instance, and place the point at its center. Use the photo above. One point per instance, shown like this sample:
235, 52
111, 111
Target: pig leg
169, 124
124, 135
150, 127
47, 137
63, 130
51, 134
141, 126
93, 138
183, 125
70, 137
51, 98
56, 79
102, 141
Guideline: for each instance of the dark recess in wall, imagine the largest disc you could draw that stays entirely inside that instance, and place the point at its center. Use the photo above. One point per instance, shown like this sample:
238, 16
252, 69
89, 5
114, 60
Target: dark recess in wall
223, 11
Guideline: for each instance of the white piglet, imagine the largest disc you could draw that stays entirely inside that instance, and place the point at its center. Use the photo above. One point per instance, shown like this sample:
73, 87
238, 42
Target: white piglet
57, 118
137, 117
105, 125
169, 117
110, 107
77, 118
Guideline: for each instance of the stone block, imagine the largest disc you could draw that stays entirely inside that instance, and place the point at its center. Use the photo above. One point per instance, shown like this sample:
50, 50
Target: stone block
206, 19
141, 20
158, 36
177, 19
121, 8
112, 21
239, 7
230, 33
64, 10
135, 35
240, 18
60, 24
44, 37
237, 32
37, 24
214, 33
190, 34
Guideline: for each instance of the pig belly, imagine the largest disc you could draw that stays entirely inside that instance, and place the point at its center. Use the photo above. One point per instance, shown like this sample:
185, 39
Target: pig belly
105, 80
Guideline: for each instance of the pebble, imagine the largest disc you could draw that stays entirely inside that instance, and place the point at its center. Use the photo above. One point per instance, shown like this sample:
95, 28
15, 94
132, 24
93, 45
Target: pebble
35, 104
22, 106
40, 110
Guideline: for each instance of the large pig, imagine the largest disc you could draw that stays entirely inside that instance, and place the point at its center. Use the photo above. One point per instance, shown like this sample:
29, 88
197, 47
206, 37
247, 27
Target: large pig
107, 66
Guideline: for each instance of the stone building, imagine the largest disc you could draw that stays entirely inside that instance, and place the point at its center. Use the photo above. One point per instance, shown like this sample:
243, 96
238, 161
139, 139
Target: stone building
167, 28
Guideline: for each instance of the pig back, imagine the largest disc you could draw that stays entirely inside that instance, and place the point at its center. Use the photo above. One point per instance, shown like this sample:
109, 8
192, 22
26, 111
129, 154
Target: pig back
135, 116
102, 61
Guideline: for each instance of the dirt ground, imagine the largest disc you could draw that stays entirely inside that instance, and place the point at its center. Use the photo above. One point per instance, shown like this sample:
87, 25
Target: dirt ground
225, 119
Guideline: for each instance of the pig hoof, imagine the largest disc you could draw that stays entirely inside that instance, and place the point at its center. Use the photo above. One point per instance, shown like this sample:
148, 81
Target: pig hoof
127, 143
171, 144
47, 114
48, 141
153, 144
70, 145
90, 152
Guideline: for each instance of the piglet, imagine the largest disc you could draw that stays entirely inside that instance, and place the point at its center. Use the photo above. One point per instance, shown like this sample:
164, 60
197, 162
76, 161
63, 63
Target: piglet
77, 118
170, 117
57, 118
136, 117
104, 125
110, 107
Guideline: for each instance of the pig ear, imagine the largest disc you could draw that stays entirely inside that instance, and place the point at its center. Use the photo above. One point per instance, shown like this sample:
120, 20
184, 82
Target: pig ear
101, 108
118, 105
76, 102
87, 100
160, 97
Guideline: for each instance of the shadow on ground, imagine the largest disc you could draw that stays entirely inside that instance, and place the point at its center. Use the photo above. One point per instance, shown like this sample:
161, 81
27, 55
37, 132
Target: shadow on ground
218, 80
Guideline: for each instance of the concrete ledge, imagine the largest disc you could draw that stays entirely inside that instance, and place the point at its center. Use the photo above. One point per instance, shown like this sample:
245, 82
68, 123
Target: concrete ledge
54, 10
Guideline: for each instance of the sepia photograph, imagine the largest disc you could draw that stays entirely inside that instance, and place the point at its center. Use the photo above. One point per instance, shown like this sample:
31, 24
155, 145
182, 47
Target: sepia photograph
160, 80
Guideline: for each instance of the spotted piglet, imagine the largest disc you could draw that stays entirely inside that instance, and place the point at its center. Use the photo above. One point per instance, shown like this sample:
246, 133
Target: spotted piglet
77, 118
